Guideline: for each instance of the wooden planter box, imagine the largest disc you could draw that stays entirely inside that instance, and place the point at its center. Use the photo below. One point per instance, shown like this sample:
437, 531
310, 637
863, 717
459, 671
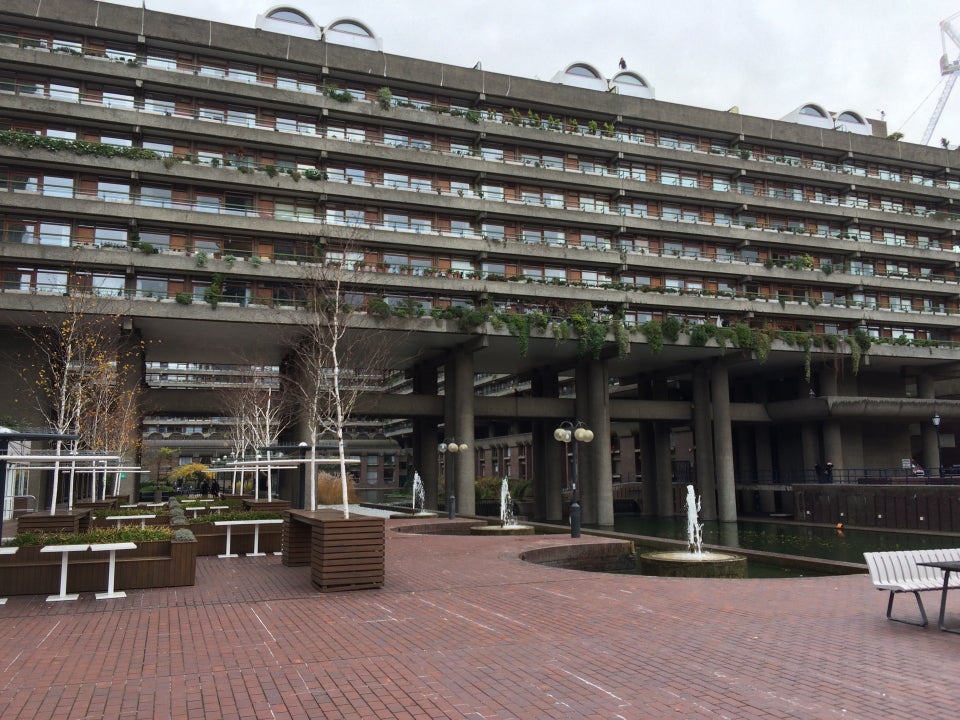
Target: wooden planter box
266, 505
159, 563
158, 521
76, 521
212, 539
343, 554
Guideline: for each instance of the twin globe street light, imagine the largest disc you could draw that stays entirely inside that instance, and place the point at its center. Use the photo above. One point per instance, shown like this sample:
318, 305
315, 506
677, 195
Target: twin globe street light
450, 479
576, 433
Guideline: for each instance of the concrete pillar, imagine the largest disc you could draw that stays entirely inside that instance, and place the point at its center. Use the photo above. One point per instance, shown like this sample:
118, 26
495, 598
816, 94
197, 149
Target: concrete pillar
929, 433
703, 440
723, 445
548, 468
463, 413
598, 420
646, 444
832, 437
425, 437
664, 460
810, 447
586, 461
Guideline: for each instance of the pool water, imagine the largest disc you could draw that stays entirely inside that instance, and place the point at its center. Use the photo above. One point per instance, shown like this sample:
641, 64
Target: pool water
788, 538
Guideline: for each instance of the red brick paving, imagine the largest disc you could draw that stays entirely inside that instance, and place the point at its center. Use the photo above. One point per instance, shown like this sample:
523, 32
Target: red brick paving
463, 629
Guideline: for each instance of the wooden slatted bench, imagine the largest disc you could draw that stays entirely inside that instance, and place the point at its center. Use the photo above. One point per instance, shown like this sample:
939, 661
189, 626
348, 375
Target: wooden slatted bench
897, 571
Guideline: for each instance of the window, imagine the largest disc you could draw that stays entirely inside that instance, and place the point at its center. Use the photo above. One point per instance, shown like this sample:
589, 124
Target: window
489, 153
156, 196
492, 230
113, 191
164, 148
51, 281
669, 177
57, 234
57, 186
151, 286
163, 104
104, 284
116, 98
492, 192
110, 237
395, 138
67, 93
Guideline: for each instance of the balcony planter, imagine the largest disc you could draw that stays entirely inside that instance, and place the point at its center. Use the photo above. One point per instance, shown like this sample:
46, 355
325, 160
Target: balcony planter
157, 563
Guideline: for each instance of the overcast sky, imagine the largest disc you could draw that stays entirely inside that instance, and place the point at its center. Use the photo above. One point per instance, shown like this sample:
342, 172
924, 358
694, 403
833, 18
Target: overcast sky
766, 57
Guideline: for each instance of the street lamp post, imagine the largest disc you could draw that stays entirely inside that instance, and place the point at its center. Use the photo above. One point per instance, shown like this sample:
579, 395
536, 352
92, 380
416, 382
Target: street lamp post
450, 448
576, 433
936, 424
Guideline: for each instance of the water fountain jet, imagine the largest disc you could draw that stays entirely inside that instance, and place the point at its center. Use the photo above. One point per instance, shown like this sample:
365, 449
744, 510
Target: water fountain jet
693, 562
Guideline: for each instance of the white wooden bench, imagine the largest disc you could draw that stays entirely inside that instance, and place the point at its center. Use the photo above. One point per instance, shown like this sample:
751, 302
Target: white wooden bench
897, 571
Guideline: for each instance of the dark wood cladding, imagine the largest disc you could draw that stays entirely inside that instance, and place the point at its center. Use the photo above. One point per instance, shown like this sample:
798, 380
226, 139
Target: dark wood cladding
892, 507
75, 521
344, 554
153, 564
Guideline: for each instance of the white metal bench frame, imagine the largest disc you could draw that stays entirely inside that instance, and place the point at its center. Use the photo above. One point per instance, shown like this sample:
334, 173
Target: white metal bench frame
897, 571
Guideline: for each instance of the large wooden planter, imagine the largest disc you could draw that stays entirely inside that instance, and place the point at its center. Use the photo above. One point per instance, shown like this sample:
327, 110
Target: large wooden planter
76, 521
212, 539
266, 505
158, 521
159, 563
343, 554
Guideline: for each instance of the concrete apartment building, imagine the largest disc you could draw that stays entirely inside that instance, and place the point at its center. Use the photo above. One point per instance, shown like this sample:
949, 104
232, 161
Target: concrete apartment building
722, 299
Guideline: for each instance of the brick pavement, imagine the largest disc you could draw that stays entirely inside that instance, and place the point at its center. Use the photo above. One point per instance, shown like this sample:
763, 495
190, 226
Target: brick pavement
463, 629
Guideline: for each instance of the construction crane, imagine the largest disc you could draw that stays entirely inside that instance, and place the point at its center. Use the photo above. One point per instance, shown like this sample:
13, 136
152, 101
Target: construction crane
947, 68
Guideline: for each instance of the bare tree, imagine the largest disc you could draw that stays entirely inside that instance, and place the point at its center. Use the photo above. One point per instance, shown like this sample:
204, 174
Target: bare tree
78, 358
261, 414
334, 362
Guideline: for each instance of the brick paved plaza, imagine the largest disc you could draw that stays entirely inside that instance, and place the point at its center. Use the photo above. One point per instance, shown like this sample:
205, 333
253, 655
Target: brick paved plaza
463, 629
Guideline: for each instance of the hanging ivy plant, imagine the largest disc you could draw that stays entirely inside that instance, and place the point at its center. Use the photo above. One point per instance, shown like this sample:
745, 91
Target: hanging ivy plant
671, 328
519, 327
592, 341
653, 331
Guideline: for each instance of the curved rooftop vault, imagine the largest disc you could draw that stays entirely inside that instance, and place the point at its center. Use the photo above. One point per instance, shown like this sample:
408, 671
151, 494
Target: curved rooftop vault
582, 75
816, 115
633, 84
852, 121
352, 32
810, 114
288, 20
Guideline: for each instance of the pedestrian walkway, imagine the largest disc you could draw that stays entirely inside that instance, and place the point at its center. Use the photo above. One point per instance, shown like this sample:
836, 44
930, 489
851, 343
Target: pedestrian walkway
464, 629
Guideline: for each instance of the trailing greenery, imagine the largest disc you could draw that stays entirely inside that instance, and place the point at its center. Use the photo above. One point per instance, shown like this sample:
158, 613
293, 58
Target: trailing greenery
125, 533
519, 326
671, 328
653, 331
29, 141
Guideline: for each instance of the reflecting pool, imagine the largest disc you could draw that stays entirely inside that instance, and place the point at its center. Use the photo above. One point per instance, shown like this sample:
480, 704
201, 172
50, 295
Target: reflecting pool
788, 538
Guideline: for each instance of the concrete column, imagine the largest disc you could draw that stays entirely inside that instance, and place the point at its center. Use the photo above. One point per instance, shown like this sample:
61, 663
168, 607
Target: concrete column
703, 440
425, 439
723, 445
548, 468
664, 460
832, 437
587, 467
929, 433
810, 447
463, 412
646, 444
598, 420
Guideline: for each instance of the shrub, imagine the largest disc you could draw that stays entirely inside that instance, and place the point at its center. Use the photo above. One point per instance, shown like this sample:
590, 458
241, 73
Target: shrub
183, 535
329, 491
